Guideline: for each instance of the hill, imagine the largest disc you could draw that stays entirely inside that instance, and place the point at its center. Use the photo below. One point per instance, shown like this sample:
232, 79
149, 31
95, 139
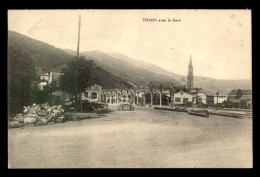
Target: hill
207, 83
43, 55
147, 66
50, 58
114, 68
215, 85
126, 69
117, 62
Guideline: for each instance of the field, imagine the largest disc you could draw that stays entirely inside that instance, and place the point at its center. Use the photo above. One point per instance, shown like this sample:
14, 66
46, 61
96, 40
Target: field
144, 138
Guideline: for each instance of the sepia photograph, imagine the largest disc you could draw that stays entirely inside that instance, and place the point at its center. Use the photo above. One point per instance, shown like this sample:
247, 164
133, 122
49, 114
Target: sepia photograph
165, 88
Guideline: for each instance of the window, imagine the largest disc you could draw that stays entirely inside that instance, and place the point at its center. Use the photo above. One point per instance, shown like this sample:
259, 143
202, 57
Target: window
177, 99
86, 94
94, 95
185, 100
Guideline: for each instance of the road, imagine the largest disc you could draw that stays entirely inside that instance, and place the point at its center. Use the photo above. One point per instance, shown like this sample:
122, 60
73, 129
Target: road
144, 138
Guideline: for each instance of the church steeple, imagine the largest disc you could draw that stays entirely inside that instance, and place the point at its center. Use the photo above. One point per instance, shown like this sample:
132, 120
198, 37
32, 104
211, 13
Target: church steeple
190, 75
190, 61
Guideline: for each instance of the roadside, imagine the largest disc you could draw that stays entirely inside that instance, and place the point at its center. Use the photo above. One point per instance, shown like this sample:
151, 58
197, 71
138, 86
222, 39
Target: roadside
141, 138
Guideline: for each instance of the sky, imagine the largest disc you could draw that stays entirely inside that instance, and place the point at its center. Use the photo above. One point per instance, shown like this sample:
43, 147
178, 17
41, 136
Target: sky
219, 41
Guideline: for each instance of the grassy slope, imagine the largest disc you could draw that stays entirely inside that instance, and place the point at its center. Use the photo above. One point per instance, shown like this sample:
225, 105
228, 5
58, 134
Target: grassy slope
114, 65
50, 58
42, 54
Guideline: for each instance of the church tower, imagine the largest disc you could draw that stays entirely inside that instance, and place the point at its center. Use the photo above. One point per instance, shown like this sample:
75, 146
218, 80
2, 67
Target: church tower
190, 76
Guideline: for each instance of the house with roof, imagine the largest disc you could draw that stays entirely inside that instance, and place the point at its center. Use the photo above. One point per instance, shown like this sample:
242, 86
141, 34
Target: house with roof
92, 93
220, 97
200, 94
51, 79
207, 97
204, 96
47, 79
239, 99
182, 97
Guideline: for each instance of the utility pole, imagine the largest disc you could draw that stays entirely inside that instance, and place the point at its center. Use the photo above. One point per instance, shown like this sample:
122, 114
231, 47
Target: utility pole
161, 95
78, 58
151, 89
78, 37
197, 96
217, 98
172, 93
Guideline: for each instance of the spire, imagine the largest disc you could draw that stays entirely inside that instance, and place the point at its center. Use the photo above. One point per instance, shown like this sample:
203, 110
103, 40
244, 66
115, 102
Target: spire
190, 75
190, 60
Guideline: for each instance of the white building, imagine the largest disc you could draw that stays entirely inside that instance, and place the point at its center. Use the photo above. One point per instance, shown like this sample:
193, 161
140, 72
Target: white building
42, 84
92, 93
201, 97
220, 98
182, 97
47, 77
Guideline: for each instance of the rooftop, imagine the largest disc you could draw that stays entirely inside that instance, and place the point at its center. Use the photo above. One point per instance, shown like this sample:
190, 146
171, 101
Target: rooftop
244, 92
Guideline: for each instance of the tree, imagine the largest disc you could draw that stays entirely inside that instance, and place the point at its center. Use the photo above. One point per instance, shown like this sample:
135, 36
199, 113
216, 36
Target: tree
40, 96
21, 74
239, 93
79, 73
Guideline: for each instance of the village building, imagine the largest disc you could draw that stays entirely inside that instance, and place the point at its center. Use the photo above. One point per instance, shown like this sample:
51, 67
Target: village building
182, 97
207, 97
92, 93
210, 99
220, 98
239, 99
49, 78
203, 96
200, 94
142, 96
41, 84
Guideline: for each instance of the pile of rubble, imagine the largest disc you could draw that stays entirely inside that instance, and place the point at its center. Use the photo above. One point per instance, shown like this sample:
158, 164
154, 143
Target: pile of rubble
38, 115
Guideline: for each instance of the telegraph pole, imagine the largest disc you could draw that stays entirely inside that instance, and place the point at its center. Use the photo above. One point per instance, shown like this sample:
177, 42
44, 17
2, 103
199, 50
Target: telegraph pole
197, 102
78, 37
172, 93
217, 99
78, 58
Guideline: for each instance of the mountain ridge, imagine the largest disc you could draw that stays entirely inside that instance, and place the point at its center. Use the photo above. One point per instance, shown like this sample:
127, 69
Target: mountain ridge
44, 55
49, 58
207, 83
125, 69
120, 66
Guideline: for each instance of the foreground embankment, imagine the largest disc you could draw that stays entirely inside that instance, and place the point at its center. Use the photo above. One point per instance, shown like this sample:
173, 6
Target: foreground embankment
141, 138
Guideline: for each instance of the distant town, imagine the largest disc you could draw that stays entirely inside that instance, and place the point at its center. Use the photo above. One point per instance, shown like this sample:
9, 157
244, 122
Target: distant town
158, 94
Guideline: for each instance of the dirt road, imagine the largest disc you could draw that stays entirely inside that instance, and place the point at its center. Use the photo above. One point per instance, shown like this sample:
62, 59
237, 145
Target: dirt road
141, 138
